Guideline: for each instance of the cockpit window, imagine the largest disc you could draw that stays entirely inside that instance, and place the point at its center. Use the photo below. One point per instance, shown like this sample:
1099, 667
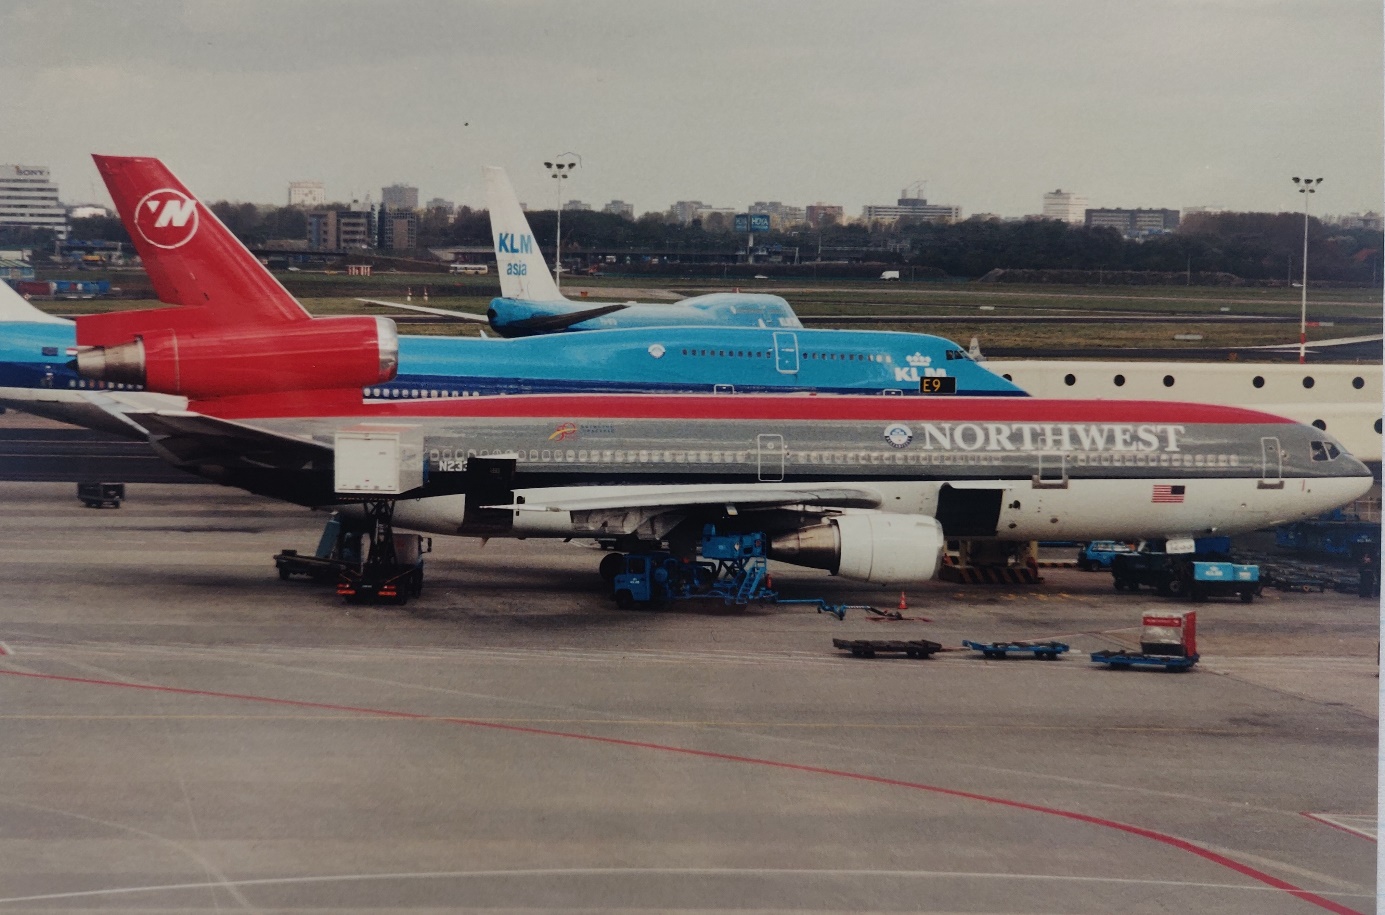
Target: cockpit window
1325, 451
957, 354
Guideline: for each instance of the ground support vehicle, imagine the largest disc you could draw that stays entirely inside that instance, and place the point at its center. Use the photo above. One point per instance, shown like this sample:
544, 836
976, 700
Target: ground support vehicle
393, 566
1097, 555
1195, 576
1167, 641
1044, 651
733, 569
1335, 535
868, 648
99, 495
338, 548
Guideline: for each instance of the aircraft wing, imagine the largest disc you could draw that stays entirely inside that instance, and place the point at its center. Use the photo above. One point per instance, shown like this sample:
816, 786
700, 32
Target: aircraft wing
424, 309
546, 324
194, 440
749, 495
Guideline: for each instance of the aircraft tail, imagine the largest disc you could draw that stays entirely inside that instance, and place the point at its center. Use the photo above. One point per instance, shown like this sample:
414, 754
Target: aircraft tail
523, 273
15, 309
192, 258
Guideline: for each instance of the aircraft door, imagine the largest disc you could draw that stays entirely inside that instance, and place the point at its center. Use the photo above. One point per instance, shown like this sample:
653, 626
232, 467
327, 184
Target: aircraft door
488, 481
770, 451
968, 512
786, 353
1271, 463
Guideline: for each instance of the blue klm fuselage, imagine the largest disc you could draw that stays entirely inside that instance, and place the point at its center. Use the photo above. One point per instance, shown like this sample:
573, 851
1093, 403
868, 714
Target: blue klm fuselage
676, 360
720, 309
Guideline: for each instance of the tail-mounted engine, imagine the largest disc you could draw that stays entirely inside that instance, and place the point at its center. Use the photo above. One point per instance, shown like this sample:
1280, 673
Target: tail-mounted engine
867, 546
345, 352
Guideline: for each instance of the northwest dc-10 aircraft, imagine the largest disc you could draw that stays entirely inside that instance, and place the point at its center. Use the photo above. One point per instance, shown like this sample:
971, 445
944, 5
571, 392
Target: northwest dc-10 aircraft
34, 348
531, 303
866, 487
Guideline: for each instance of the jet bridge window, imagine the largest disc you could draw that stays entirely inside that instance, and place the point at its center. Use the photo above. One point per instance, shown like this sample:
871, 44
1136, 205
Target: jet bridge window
1325, 451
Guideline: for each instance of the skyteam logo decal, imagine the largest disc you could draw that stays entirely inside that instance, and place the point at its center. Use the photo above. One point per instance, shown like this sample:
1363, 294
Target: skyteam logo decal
899, 435
166, 218
657, 351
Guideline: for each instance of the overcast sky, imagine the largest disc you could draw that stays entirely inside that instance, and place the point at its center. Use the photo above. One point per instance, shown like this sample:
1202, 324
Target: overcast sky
1157, 103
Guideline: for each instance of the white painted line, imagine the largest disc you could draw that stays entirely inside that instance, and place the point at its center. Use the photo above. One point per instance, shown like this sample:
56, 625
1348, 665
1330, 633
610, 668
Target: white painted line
1358, 824
530, 873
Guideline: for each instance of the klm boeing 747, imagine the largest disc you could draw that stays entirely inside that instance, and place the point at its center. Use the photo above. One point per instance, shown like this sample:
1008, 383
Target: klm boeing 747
531, 303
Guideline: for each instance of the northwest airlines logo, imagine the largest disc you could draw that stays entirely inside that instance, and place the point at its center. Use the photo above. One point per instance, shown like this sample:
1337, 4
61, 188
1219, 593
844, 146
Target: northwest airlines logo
167, 218
1038, 436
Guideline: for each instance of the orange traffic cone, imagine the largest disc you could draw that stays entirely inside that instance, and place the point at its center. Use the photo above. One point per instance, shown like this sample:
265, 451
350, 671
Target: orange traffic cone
903, 604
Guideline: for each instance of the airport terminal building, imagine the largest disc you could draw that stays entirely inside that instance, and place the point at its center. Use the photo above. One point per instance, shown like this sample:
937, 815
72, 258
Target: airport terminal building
29, 200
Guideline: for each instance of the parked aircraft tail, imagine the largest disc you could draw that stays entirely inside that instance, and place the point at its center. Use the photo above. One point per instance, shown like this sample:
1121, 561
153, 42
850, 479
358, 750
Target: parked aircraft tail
523, 273
14, 308
192, 258
235, 330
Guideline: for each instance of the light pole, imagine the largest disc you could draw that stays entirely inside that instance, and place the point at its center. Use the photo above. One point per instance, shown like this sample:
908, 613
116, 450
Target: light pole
1307, 186
559, 171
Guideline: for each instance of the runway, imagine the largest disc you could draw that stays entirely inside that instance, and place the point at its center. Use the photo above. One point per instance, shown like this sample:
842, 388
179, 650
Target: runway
185, 732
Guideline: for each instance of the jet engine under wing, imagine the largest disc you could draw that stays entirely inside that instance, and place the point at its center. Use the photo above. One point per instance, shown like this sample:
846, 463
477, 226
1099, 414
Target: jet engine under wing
193, 440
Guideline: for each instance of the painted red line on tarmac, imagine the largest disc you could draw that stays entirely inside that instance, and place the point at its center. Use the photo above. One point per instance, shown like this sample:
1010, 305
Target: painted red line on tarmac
1171, 841
1346, 829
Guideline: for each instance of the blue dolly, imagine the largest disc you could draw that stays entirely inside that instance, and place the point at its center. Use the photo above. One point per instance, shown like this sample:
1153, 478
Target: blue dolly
1044, 651
1124, 660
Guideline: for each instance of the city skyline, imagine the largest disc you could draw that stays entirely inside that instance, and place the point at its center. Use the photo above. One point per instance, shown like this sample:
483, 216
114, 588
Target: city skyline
1171, 104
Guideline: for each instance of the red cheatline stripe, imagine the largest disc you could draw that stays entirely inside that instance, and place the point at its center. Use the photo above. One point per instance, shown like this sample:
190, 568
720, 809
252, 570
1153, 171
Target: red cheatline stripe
1172, 841
787, 407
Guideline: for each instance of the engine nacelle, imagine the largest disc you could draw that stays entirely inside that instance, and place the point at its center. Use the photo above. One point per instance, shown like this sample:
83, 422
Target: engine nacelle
347, 352
872, 546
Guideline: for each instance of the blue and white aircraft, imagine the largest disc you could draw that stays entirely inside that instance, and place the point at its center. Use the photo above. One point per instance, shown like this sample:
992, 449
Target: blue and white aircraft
530, 302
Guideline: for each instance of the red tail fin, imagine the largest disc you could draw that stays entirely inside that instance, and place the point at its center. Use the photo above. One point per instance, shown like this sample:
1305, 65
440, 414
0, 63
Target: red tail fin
193, 260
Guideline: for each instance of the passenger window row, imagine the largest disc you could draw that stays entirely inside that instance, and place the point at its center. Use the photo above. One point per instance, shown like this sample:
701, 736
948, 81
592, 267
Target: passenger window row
1258, 381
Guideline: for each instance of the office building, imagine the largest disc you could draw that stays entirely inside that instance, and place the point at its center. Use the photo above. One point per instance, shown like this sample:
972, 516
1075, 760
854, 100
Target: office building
337, 230
823, 214
29, 200
620, 208
577, 205
398, 229
307, 194
1065, 206
399, 197
1135, 223
780, 215
437, 203
914, 208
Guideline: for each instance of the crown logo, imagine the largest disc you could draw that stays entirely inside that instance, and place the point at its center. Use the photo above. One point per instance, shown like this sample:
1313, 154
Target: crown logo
918, 359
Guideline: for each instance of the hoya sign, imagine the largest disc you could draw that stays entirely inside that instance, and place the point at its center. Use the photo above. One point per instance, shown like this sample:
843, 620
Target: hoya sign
1048, 437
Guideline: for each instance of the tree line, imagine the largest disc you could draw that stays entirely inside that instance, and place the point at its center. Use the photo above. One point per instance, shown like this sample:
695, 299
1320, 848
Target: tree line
1254, 246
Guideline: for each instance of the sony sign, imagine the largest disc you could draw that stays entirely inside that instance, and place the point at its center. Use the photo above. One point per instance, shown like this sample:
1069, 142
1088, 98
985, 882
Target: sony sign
1131, 437
29, 171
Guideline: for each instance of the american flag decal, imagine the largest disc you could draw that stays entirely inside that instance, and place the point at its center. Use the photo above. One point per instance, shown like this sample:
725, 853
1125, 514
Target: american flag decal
1166, 493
